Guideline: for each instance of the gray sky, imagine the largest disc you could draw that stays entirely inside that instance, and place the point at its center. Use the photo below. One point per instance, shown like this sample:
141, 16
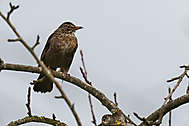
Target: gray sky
130, 46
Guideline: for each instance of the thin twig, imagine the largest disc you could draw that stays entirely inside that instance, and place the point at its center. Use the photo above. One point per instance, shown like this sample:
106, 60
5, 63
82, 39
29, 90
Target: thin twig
71, 106
187, 75
29, 101
83, 63
14, 40
170, 113
36, 43
173, 79
58, 97
184, 66
175, 87
115, 98
54, 117
167, 108
84, 73
46, 71
138, 117
84, 76
13, 7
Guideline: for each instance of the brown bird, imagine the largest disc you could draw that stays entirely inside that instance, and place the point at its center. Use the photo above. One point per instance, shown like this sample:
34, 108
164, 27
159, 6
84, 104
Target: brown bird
58, 53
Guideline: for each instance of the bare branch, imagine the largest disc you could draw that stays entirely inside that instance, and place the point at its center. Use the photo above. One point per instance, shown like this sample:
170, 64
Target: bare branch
173, 79
84, 73
28, 104
41, 119
36, 43
84, 76
180, 78
71, 106
73, 80
58, 97
138, 117
184, 66
92, 111
14, 40
12, 8
83, 63
187, 75
167, 108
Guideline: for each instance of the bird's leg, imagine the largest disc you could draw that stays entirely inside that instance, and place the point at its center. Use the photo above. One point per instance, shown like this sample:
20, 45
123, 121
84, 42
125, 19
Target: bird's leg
37, 81
64, 71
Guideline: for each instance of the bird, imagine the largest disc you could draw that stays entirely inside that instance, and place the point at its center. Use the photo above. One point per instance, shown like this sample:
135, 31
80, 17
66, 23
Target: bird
106, 120
58, 53
116, 119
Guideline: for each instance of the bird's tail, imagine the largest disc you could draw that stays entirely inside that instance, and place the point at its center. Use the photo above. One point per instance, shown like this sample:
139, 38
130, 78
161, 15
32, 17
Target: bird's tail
44, 85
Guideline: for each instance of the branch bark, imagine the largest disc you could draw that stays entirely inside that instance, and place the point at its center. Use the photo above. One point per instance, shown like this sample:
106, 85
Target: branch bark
73, 80
166, 108
44, 120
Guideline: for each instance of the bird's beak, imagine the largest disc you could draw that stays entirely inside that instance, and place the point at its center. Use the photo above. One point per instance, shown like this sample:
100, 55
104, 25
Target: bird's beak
78, 27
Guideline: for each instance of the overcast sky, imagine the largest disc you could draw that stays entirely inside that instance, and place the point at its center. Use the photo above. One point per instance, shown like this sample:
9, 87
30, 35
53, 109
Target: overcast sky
130, 47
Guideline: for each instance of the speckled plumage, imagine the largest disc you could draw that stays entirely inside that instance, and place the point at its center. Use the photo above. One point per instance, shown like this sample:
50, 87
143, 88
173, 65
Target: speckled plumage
58, 53
116, 119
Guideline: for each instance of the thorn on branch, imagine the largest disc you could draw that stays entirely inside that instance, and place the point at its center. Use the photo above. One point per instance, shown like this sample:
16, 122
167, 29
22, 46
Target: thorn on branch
73, 106
1, 63
14, 40
12, 8
138, 117
187, 75
115, 98
54, 117
36, 43
187, 90
28, 104
58, 97
169, 90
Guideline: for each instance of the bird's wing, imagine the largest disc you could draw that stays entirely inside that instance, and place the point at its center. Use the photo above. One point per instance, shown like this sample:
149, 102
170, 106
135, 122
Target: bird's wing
46, 48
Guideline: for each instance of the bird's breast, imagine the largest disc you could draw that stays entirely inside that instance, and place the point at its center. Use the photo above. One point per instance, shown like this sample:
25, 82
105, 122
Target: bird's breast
66, 44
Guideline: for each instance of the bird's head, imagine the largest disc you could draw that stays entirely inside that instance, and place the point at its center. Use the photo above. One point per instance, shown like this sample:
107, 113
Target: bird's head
68, 27
106, 119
